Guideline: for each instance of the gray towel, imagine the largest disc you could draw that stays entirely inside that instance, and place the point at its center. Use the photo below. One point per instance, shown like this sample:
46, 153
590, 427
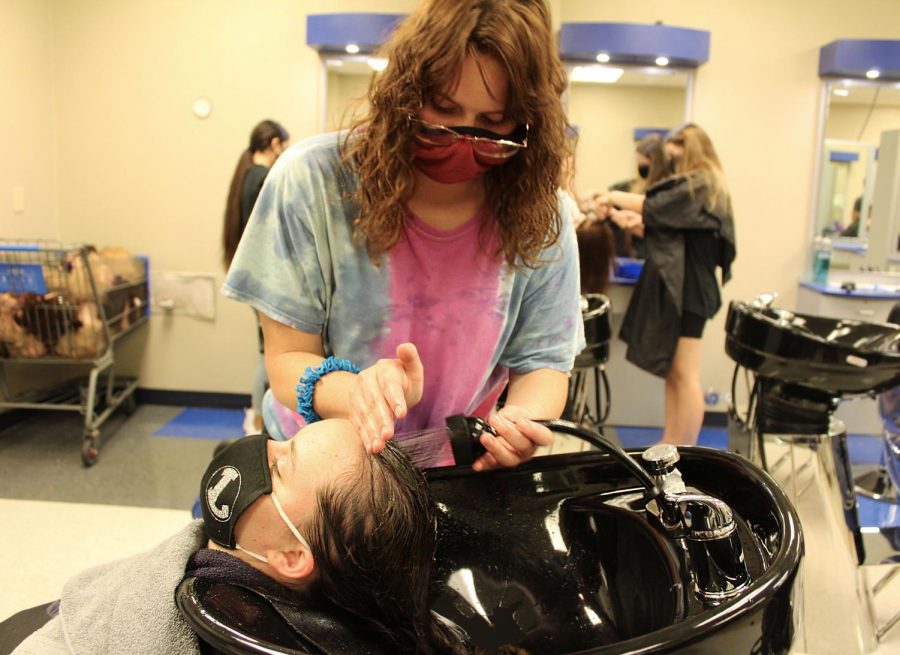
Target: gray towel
127, 606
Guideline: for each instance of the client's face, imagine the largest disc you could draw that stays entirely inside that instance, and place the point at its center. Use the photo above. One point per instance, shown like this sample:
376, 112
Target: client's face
318, 454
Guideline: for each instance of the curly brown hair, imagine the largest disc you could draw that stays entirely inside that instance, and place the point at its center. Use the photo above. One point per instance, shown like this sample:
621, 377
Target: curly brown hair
425, 55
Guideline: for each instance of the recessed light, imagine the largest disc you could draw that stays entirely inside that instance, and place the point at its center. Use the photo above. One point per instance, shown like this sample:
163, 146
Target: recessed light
601, 74
841, 92
873, 73
352, 48
377, 64
662, 61
603, 57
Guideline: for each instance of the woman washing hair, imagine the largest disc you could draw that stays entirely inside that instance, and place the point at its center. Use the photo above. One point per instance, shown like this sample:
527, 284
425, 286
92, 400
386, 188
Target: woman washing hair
412, 267
688, 232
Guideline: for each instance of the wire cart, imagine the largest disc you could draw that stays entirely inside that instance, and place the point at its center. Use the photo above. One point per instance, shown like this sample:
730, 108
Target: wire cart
62, 308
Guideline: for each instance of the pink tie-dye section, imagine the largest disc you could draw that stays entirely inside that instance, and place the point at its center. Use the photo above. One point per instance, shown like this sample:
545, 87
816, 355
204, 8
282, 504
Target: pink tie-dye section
444, 292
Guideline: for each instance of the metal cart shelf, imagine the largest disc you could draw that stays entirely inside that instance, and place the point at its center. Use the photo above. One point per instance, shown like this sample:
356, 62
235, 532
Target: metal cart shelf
65, 306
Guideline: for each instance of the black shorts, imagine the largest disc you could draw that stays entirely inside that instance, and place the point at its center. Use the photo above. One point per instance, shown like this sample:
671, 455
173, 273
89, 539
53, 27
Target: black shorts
692, 325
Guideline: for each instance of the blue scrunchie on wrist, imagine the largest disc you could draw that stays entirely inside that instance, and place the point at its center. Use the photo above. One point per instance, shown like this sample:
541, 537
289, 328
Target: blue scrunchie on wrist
308, 382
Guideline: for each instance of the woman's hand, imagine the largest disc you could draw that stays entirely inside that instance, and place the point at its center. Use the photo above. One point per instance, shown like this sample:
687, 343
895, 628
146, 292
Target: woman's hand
517, 439
383, 393
627, 220
602, 206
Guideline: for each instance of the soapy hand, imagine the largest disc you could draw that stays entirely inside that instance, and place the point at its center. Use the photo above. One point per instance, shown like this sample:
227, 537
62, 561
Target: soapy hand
383, 393
517, 439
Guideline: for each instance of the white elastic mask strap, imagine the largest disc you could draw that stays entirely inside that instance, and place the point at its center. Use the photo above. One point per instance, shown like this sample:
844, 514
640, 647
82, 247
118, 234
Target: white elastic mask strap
288, 523
252, 554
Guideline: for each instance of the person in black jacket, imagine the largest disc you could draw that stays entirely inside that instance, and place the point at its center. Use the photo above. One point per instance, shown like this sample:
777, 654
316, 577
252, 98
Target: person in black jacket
688, 232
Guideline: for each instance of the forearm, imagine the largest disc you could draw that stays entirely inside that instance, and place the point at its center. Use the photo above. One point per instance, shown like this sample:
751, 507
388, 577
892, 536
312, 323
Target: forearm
330, 393
541, 393
630, 201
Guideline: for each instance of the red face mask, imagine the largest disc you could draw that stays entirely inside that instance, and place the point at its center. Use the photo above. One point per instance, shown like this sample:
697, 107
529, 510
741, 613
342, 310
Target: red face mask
451, 164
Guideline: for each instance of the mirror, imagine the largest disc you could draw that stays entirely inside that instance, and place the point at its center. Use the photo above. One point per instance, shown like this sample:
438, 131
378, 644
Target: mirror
609, 106
854, 179
347, 79
845, 189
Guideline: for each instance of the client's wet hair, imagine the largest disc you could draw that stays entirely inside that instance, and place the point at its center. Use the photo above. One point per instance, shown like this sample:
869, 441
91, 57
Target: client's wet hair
373, 540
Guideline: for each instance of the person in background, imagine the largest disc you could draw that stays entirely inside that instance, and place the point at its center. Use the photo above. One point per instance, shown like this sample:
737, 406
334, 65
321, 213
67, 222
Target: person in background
410, 268
267, 141
689, 232
852, 230
650, 159
313, 522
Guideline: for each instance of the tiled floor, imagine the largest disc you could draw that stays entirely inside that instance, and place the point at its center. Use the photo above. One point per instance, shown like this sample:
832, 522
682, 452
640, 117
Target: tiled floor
59, 518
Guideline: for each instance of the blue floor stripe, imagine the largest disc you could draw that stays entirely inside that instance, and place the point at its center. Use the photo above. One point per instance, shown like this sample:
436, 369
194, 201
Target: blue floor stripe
204, 423
876, 513
865, 448
635, 437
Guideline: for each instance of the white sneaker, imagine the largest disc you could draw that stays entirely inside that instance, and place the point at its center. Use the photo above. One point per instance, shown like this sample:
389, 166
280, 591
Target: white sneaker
250, 422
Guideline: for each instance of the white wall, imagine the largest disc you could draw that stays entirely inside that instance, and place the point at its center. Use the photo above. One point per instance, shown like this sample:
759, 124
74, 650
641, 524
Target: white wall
27, 121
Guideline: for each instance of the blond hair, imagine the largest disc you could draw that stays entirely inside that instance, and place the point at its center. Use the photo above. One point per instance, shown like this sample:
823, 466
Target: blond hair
699, 159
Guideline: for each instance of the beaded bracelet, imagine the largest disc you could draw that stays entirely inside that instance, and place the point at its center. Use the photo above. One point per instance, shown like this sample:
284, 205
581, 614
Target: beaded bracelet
308, 382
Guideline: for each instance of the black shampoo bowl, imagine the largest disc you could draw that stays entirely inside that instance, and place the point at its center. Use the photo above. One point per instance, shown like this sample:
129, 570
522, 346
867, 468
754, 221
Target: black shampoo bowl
558, 556
834, 356
588, 553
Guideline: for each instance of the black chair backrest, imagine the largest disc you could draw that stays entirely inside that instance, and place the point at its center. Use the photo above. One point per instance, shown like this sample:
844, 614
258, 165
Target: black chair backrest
238, 621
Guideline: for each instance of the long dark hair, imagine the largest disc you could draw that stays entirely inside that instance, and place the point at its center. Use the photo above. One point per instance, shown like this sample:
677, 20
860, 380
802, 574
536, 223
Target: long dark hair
425, 54
373, 540
596, 250
260, 139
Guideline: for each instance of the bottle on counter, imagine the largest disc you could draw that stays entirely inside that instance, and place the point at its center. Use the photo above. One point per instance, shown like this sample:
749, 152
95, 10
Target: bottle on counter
821, 259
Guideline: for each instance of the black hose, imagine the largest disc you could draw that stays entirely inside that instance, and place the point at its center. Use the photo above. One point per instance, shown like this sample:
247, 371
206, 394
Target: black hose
607, 394
600, 442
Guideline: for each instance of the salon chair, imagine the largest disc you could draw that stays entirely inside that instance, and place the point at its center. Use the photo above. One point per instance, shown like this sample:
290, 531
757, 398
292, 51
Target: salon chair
589, 372
803, 366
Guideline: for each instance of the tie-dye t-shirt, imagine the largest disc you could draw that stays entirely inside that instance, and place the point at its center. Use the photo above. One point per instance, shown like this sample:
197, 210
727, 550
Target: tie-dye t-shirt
472, 318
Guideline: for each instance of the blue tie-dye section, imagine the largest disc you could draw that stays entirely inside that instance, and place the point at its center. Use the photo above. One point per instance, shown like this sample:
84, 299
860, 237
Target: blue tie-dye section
544, 328
297, 264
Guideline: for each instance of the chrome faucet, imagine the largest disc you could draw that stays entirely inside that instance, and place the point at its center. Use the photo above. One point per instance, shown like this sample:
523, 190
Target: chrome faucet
764, 300
702, 524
